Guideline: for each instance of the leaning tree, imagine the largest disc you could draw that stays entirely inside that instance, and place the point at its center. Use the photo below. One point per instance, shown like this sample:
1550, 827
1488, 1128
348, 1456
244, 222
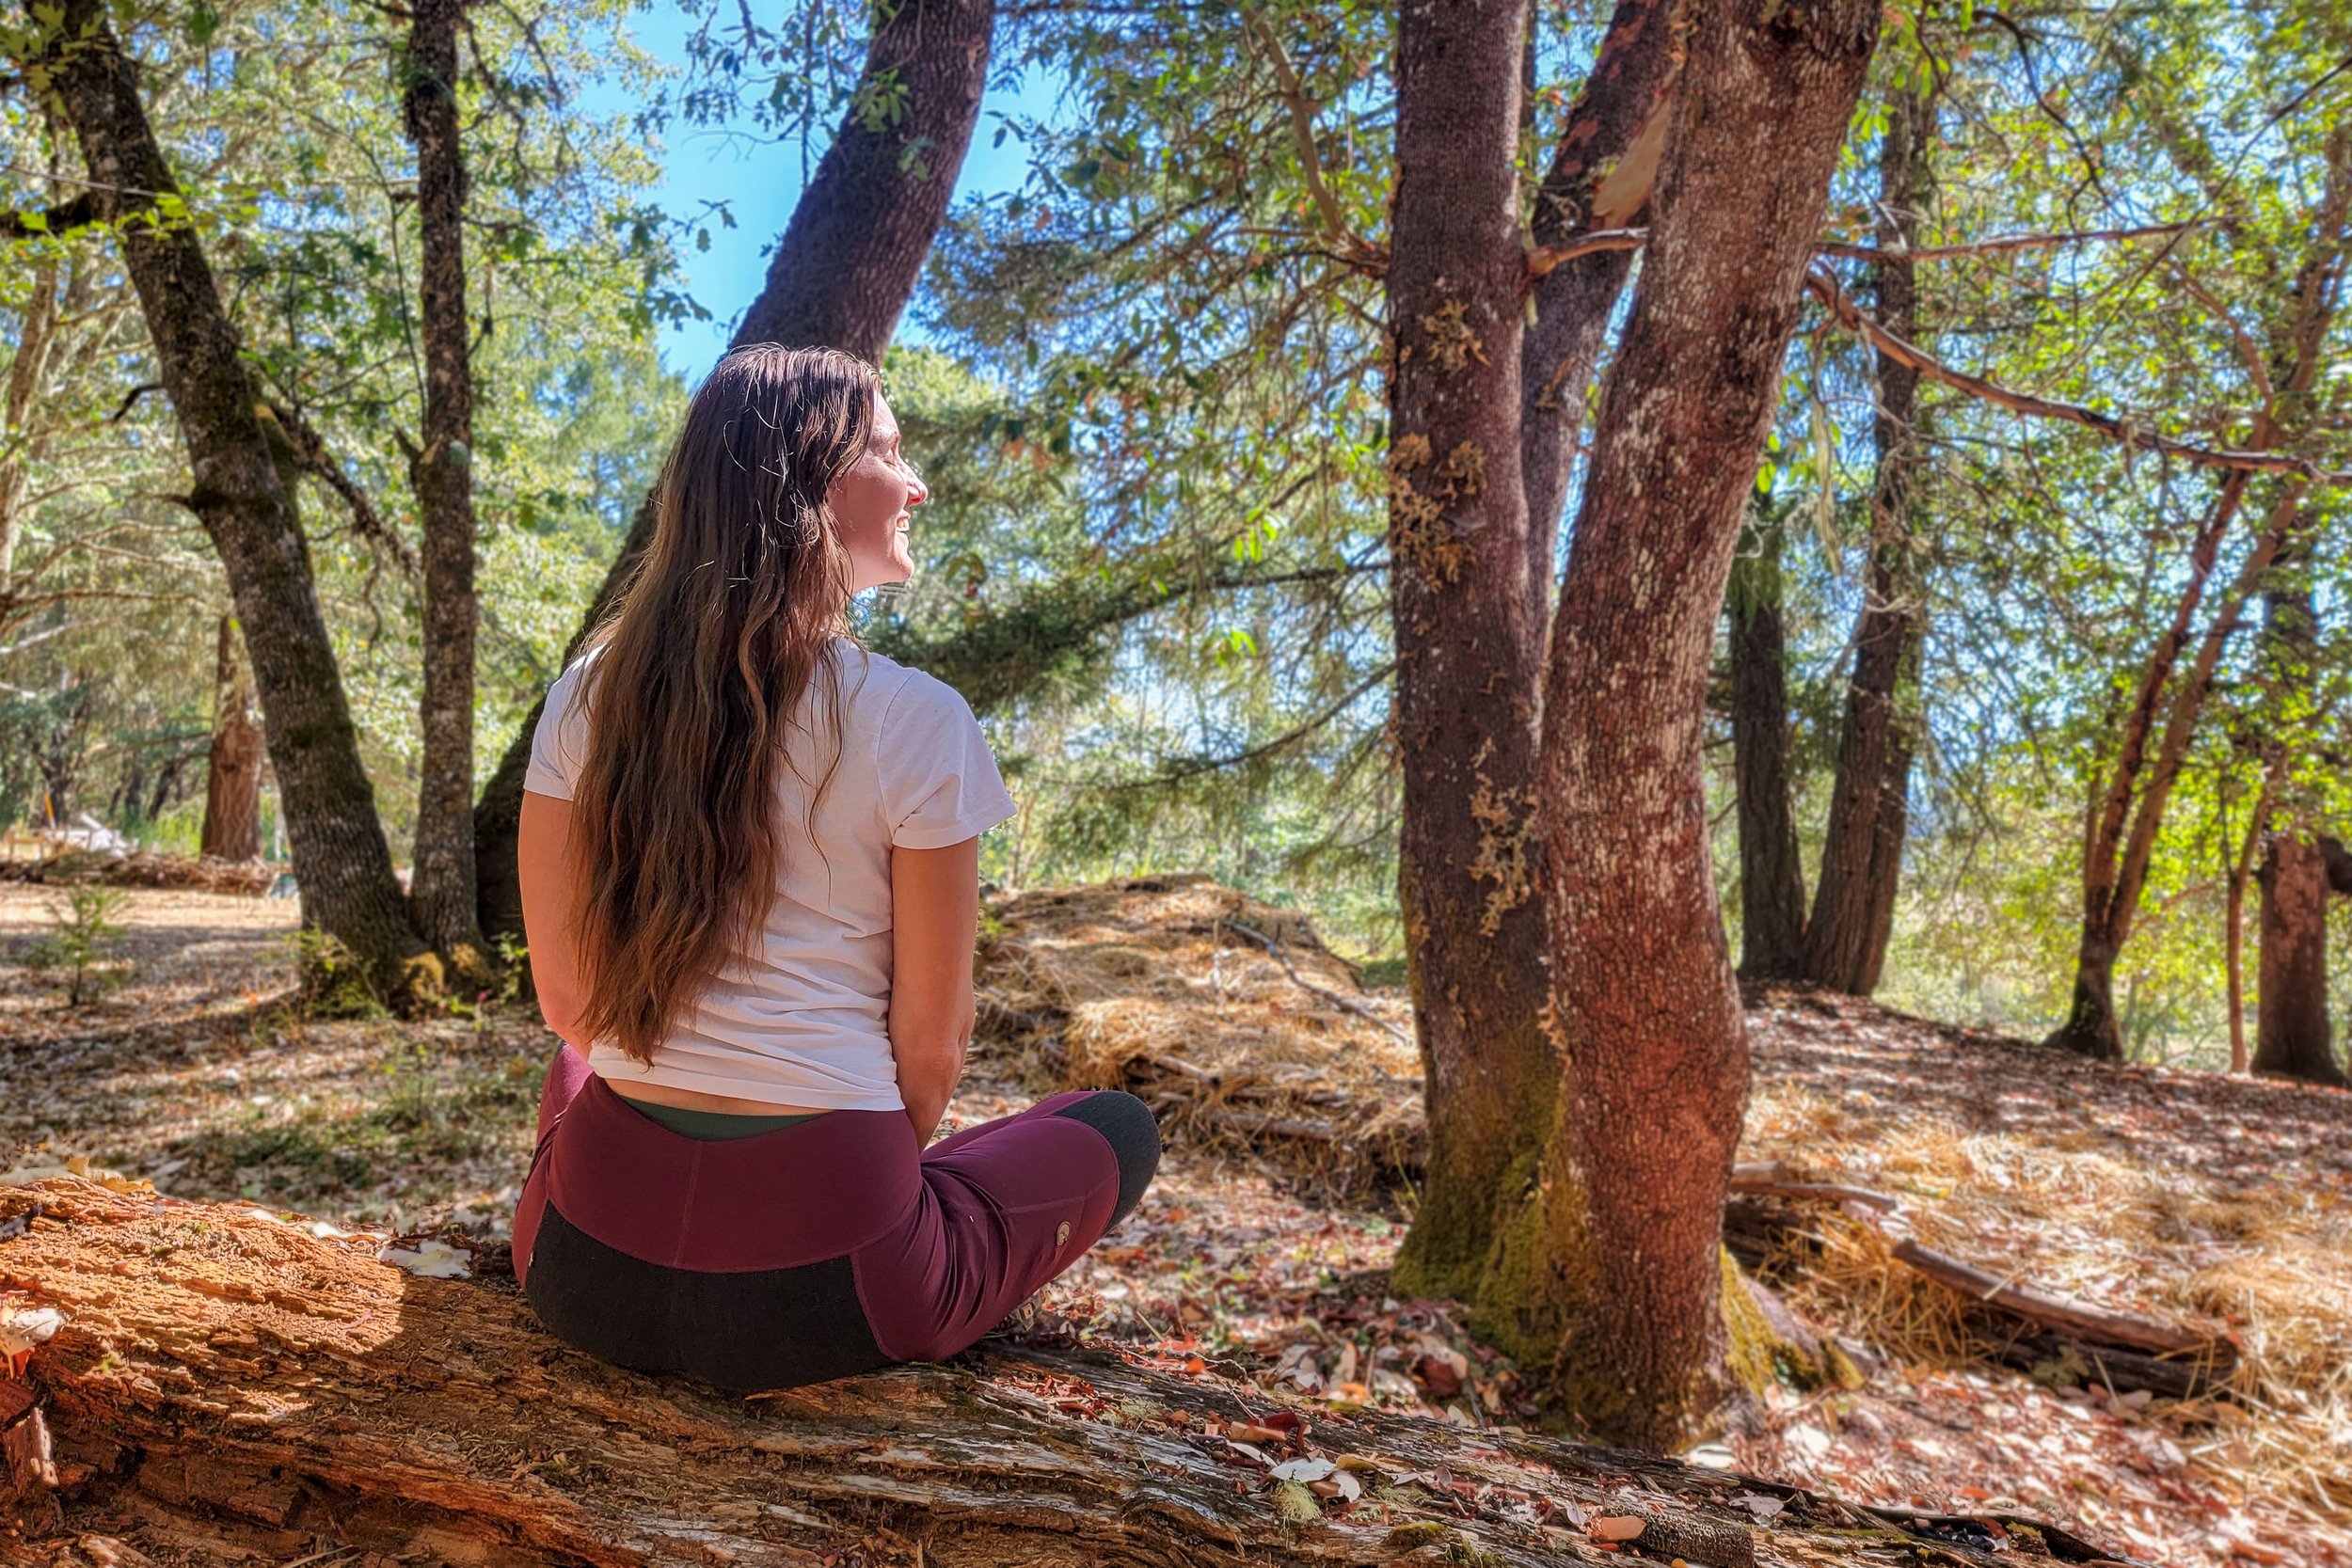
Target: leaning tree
841, 276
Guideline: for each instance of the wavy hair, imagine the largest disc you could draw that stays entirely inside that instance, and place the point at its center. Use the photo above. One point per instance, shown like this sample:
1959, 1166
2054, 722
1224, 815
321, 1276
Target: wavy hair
706, 658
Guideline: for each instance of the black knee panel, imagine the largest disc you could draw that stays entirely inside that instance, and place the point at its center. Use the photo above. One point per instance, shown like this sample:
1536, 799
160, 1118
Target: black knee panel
1132, 1131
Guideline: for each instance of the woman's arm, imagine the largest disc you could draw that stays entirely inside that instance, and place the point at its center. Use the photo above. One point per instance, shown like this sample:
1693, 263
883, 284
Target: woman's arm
550, 891
935, 917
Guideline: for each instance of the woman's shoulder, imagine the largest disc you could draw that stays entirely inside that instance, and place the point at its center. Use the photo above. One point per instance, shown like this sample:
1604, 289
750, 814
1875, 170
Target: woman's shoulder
882, 690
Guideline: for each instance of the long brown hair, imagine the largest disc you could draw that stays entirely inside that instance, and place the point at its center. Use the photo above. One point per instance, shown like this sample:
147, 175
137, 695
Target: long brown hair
723, 632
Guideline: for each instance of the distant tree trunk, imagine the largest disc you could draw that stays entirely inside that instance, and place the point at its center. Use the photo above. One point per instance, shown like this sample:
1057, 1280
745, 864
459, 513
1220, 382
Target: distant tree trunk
842, 276
2293, 1036
1772, 877
232, 770
1466, 636
1853, 906
2119, 827
28, 371
2233, 921
441, 889
1616, 1282
340, 853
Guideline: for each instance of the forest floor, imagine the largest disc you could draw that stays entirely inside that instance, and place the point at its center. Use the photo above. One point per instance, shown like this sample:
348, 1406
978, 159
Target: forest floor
1260, 1253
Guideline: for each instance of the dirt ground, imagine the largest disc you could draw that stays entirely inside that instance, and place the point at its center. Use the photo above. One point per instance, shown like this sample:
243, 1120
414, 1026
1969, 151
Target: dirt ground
200, 1073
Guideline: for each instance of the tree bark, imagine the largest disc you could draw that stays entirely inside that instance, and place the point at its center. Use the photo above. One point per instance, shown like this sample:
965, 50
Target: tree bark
28, 371
2233, 919
1771, 875
1473, 548
441, 888
228, 1386
1845, 940
2293, 1037
1464, 704
1617, 1281
340, 855
842, 276
1601, 172
232, 767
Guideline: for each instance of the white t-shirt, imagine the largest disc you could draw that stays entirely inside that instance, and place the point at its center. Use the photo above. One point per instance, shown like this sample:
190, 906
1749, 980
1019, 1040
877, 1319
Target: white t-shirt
802, 1020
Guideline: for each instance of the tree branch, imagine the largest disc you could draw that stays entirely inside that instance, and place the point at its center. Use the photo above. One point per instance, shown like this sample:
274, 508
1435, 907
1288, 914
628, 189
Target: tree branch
1302, 113
18, 224
130, 400
2000, 244
311, 451
1288, 737
1826, 287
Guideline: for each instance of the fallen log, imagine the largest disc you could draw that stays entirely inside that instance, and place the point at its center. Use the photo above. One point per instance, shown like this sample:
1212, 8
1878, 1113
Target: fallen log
2075, 1320
2105, 1367
227, 1384
1827, 1192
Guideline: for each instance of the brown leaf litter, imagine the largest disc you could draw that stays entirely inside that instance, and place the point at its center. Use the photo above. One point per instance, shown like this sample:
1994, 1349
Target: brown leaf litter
2214, 1203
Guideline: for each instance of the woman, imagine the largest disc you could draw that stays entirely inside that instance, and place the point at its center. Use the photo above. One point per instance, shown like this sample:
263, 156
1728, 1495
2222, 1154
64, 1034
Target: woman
750, 876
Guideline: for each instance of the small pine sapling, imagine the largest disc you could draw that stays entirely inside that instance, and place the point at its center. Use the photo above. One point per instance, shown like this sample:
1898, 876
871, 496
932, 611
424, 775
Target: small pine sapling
83, 944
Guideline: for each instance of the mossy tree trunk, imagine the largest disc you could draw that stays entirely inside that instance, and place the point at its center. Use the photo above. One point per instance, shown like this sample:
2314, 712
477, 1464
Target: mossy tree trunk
441, 889
842, 276
1467, 633
1485, 411
1846, 938
1607, 1155
238, 494
1619, 1285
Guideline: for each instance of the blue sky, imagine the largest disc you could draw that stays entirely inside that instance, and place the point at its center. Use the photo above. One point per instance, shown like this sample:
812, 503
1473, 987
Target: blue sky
761, 181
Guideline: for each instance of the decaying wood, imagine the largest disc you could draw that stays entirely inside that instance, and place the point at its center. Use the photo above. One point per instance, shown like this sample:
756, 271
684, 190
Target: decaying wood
228, 1382
2123, 1370
2077, 1319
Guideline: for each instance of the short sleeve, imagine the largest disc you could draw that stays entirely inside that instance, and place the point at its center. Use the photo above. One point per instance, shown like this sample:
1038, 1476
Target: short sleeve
560, 745
939, 784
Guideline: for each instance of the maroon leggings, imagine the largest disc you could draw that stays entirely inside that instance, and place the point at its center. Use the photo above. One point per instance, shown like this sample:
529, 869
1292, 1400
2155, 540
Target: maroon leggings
815, 1251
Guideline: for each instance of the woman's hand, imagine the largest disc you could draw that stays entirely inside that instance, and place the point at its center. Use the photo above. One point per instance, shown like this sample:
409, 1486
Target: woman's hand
935, 918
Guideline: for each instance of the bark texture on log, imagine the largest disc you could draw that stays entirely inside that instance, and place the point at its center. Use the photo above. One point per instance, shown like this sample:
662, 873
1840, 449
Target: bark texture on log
1468, 637
843, 273
1771, 874
228, 1382
340, 854
233, 767
1645, 1007
1853, 907
441, 888
2079, 1319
